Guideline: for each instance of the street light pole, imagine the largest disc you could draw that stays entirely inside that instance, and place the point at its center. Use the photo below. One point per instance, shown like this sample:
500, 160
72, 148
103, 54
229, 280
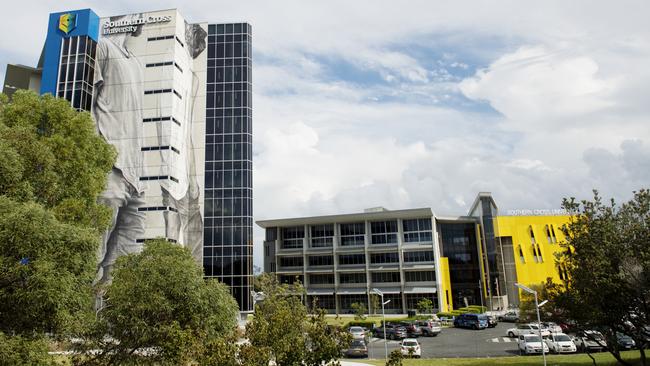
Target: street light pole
539, 320
383, 315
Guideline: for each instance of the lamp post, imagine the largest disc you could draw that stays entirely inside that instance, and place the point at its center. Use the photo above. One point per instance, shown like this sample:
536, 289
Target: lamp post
383, 315
539, 320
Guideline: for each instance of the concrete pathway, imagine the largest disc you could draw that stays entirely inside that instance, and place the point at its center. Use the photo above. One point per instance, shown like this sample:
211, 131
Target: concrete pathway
348, 363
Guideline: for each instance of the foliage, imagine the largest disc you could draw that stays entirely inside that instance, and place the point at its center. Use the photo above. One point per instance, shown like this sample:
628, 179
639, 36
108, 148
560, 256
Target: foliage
425, 306
159, 310
282, 327
22, 351
46, 270
361, 323
51, 154
395, 358
607, 259
360, 310
375, 304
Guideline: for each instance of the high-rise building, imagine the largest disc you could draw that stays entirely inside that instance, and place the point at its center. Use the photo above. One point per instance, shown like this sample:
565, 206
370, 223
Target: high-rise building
174, 99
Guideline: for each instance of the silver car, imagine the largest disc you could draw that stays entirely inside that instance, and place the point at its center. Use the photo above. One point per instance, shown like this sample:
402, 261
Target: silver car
357, 333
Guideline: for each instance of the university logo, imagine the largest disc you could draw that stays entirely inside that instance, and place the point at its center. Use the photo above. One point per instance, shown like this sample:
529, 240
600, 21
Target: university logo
67, 22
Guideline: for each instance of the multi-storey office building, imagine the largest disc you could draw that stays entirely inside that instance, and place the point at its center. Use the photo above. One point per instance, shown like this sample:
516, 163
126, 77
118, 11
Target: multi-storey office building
412, 254
174, 98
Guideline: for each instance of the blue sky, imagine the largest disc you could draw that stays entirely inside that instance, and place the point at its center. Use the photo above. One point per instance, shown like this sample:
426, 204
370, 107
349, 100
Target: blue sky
378, 103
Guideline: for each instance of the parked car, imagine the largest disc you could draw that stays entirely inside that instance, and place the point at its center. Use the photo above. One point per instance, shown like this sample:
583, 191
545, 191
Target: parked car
552, 327
510, 317
531, 344
590, 340
521, 329
393, 331
358, 348
492, 321
429, 328
358, 332
411, 347
624, 341
412, 329
560, 343
472, 321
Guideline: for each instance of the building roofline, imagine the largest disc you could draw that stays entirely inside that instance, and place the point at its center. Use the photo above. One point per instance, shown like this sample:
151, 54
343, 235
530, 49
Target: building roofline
354, 217
478, 199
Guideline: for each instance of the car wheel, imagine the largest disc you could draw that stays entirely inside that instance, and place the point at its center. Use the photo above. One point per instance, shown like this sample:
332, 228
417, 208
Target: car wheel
511, 334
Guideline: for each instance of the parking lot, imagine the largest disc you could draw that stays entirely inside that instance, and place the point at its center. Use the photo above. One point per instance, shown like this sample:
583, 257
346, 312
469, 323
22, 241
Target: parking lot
457, 342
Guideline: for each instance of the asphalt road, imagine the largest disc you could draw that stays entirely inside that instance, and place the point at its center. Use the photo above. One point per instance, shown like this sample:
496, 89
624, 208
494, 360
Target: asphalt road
456, 342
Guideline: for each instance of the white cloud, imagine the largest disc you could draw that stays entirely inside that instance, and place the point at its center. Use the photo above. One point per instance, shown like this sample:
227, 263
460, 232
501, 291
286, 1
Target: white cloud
570, 80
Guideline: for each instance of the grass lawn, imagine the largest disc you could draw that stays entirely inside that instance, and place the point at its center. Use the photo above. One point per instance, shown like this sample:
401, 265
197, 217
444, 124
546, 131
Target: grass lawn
602, 359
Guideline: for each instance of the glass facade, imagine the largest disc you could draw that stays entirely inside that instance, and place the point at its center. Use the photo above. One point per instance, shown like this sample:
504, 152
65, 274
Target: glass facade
458, 243
228, 160
77, 71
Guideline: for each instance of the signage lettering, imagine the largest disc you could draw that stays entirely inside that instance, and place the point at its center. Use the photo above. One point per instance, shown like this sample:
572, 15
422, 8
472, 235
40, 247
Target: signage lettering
131, 25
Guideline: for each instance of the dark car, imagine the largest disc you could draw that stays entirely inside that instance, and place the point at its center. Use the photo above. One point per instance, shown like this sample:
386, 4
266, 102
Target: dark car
492, 321
358, 348
624, 341
471, 321
412, 329
393, 331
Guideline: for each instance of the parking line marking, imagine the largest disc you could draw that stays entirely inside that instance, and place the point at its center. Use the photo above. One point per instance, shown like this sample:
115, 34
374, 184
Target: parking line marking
507, 340
495, 340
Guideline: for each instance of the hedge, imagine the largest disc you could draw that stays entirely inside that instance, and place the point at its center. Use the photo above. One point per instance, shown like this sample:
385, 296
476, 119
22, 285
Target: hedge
361, 323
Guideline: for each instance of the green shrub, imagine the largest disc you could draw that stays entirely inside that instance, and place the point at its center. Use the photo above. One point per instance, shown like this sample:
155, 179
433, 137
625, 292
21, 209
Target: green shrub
361, 323
445, 314
477, 309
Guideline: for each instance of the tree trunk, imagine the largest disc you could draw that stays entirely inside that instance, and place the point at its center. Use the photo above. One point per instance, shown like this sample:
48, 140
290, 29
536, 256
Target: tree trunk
617, 356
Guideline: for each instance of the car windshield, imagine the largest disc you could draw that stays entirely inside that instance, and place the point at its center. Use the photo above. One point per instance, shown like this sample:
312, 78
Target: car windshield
562, 338
534, 326
410, 344
356, 329
532, 339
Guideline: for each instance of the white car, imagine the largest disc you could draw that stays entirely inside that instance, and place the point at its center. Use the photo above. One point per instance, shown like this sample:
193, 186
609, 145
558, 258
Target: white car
357, 332
531, 344
552, 327
560, 343
410, 347
522, 329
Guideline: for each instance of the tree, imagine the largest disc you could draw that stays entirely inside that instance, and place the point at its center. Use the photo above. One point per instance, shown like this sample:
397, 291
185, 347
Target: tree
53, 166
160, 310
52, 155
375, 303
282, 327
607, 261
425, 306
395, 358
360, 310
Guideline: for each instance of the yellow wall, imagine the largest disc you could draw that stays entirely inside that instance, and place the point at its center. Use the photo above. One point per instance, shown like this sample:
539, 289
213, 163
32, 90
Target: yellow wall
445, 285
532, 272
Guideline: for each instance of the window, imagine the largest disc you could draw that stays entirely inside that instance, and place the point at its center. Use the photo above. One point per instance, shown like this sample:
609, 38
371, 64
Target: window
549, 238
384, 232
417, 230
292, 237
271, 234
352, 278
384, 277
321, 279
290, 279
420, 276
291, 262
353, 234
322, 235
346, 301
521, 255
349, 259
321, 260
532, 235
423, 256
379, 258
